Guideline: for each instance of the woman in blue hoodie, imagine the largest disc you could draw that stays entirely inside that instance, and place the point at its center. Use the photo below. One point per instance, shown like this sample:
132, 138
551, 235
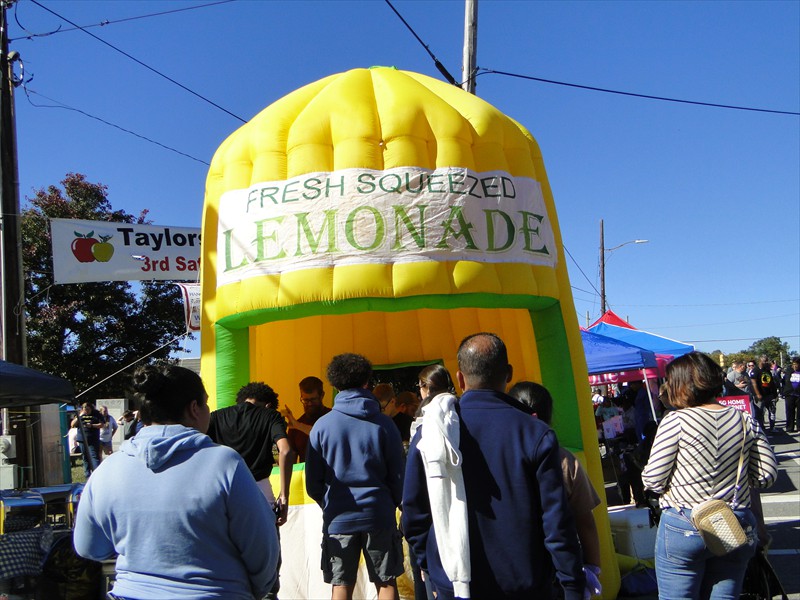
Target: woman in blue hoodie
183, 515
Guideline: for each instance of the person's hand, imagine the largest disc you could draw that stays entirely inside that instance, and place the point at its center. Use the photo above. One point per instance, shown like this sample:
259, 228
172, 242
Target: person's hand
287, 412
593, 586
281, 508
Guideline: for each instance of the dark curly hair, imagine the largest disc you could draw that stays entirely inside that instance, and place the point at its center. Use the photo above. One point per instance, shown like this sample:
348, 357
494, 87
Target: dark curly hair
349, 371
258, 391
164, 391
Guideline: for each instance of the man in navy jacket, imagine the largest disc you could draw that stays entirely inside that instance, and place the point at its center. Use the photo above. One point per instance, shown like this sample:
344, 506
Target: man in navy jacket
521, 532
354, 471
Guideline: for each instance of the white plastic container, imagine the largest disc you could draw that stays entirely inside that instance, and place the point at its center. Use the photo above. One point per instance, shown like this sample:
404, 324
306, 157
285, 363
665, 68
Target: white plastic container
631, 531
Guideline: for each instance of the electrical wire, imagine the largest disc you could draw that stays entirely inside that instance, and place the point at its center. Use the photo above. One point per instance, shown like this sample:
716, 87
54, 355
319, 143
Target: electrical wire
61, 105
482, 71
439, 66
107, 22
579, 269
141, 358
139, 62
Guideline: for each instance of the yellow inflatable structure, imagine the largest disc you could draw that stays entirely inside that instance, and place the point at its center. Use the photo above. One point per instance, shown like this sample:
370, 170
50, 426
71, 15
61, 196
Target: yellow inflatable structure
384, 212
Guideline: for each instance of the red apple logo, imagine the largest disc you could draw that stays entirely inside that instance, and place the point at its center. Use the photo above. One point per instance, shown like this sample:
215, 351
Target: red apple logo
102, 250
82, 246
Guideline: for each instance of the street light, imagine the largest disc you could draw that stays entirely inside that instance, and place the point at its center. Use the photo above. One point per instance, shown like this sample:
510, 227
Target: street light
603, 251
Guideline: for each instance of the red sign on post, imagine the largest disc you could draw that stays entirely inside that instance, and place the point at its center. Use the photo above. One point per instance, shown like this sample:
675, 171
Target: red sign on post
740, 402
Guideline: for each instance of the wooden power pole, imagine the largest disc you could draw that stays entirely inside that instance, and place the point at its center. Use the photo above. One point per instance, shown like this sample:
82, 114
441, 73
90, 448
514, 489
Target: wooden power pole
468, 65
12, 315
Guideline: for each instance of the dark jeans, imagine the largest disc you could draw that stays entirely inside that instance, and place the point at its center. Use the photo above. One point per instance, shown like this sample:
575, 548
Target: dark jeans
792, 413
769, 408
94, 457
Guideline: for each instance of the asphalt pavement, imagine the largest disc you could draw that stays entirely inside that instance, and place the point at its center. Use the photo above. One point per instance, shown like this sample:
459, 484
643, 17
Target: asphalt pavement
781, 505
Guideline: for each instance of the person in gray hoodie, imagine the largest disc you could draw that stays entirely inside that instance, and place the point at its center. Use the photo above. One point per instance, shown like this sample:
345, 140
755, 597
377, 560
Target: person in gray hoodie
195, 524
354, 471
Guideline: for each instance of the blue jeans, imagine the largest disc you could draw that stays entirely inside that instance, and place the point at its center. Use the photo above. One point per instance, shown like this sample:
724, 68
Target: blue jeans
686, 569
94, 456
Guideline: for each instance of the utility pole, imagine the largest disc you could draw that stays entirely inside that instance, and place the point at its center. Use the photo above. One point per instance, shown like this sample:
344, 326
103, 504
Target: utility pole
602, 271
12, 313
468, 64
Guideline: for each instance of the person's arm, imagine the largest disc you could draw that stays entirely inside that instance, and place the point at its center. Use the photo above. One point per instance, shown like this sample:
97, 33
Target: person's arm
560, 535
590, 539
252, 530
315, 469
658, 470
294, 423
754, 385
416, 519
89, 536
286, 458
394, 456
582, 500
763, 466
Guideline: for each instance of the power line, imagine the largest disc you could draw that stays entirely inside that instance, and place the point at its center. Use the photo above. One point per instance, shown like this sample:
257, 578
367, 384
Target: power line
107, 22
137, 61
436, 62
483, 71
579, 269
61, 105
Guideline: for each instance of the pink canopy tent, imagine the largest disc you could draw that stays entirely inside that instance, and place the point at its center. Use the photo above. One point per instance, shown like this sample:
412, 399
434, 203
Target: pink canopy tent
612, 318
635, 375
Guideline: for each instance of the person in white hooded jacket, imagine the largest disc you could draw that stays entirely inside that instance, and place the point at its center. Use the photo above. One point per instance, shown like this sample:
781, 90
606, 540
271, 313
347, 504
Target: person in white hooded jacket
183, 515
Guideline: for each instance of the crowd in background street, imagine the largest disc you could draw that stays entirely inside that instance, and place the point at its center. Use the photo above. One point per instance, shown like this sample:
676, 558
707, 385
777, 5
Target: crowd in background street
440, 459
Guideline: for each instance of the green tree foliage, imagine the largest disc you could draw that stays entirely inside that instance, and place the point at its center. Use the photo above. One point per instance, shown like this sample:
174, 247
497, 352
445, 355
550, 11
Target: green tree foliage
772, 347
86, 332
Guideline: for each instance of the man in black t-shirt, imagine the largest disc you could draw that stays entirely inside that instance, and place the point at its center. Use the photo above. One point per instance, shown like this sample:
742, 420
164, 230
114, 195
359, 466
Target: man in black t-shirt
92, 422
251, 427
767, 390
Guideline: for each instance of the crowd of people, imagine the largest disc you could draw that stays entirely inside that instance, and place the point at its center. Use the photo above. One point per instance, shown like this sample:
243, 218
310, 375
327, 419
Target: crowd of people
491, 506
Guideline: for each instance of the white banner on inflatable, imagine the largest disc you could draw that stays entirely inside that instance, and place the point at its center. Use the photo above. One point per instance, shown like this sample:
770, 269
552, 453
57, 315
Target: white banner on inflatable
191, 304
357, 216
86, 251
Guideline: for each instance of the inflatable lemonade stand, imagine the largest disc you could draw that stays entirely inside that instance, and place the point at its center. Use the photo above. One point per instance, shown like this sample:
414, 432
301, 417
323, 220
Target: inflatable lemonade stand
384, 212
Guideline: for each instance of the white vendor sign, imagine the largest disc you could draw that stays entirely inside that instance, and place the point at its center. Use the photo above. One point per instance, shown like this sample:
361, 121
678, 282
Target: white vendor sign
86, 251
356, 216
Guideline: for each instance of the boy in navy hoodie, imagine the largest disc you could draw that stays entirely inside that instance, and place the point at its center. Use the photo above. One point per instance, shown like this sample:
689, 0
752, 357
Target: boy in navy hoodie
354, 471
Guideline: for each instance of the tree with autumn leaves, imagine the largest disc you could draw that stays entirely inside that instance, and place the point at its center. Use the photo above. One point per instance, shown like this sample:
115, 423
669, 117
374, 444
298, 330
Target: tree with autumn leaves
85, 332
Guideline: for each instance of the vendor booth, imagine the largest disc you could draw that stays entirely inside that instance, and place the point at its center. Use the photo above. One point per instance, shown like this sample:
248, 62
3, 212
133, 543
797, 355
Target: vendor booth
36, 523
611, 325
386, 213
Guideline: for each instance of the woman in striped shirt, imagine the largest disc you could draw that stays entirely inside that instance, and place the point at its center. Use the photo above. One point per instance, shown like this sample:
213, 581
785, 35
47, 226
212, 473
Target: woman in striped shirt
695, 458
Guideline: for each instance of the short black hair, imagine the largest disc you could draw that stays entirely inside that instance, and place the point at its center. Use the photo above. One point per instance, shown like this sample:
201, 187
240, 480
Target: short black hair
258, 391
349, 371
483, 360
165, 391
536, 396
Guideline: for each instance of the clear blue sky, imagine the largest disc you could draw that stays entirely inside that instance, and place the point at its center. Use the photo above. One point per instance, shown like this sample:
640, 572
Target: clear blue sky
715, 191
